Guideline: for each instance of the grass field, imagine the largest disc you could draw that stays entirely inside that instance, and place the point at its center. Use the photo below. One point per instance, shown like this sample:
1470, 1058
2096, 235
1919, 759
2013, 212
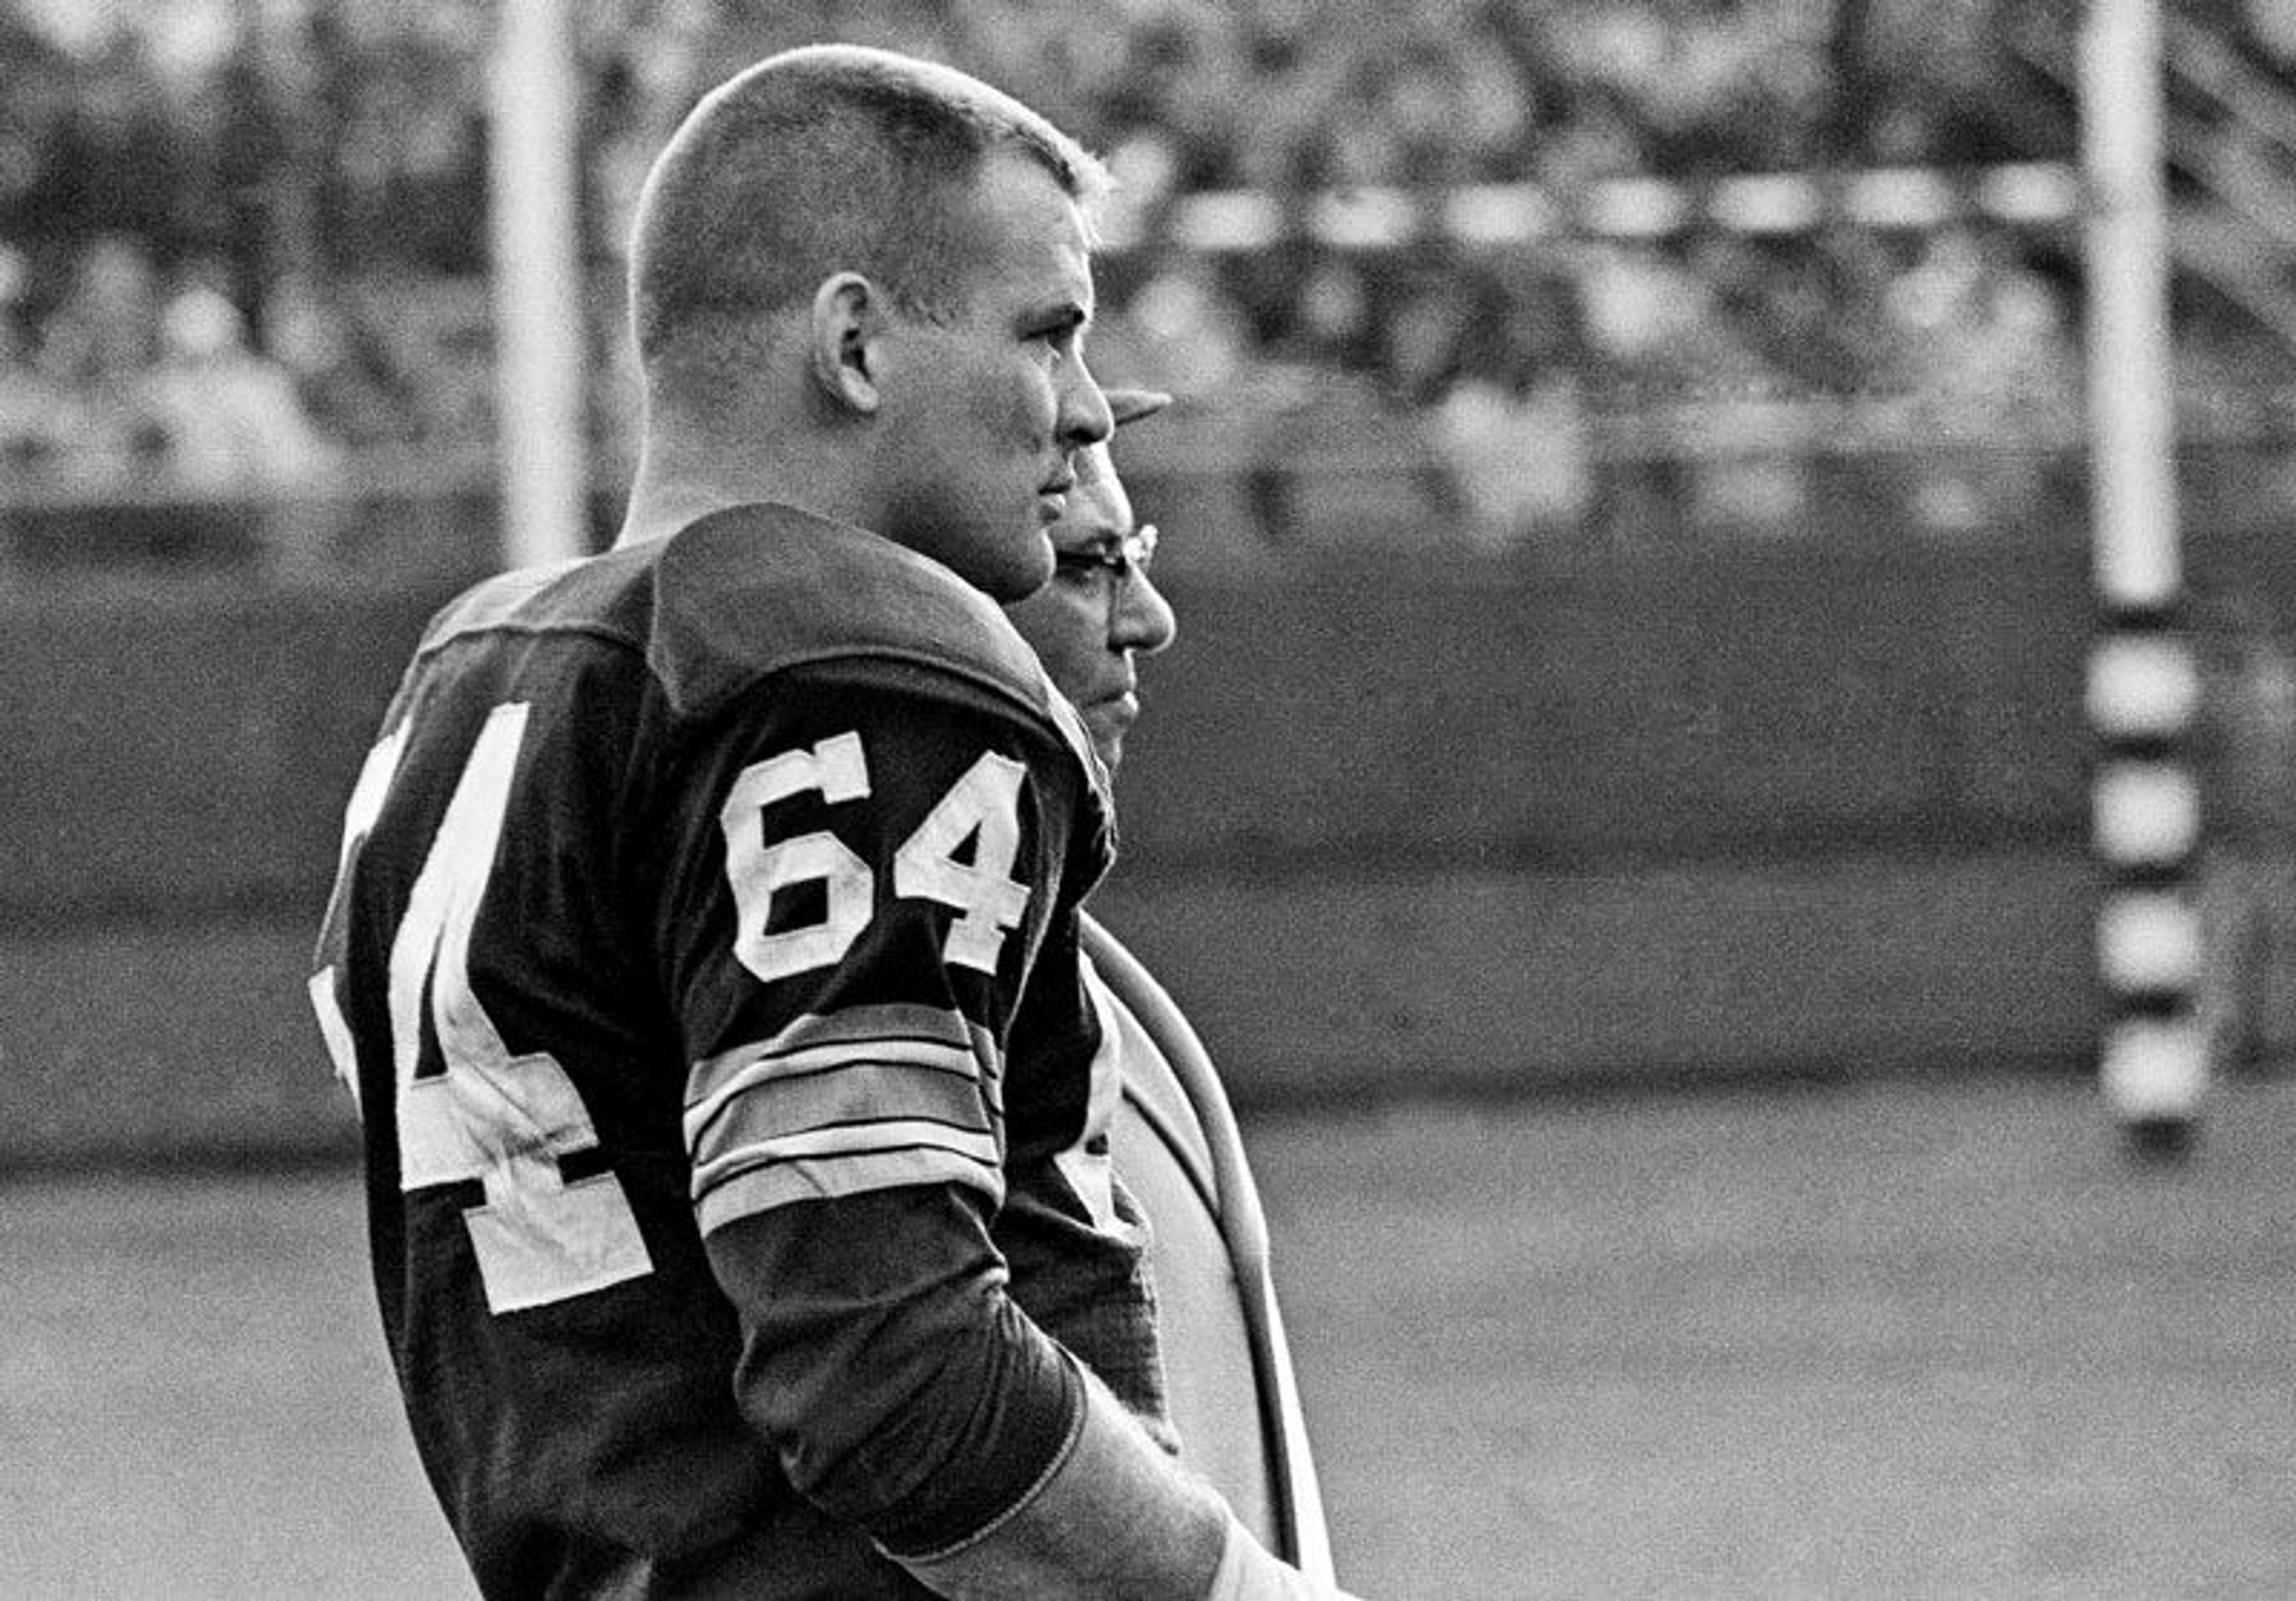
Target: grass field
1917, 1340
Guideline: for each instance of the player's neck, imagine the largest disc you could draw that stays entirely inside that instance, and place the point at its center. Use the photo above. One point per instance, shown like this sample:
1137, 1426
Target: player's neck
676, 483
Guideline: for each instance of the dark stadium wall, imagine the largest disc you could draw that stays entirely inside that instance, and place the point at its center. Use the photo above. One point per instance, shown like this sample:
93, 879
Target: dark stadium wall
1766, 702
1750, 810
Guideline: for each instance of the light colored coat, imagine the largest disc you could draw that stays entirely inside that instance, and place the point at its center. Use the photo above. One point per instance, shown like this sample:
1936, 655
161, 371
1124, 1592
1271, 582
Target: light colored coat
1233, 1397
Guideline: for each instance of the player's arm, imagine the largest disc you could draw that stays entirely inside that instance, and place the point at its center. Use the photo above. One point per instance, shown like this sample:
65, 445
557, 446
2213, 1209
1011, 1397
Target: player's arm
849, 949
1113, 1518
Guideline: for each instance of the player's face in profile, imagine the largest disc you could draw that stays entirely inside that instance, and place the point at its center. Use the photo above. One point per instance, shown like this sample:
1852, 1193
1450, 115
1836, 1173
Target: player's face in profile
987, 408
1088, 623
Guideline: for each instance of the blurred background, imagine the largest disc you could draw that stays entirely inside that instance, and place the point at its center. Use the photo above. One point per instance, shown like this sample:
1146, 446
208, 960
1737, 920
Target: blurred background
1626, 504
1628, 511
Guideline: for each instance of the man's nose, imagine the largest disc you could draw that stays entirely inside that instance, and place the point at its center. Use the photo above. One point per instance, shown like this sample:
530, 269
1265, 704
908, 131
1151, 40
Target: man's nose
1142, 619
1085, 417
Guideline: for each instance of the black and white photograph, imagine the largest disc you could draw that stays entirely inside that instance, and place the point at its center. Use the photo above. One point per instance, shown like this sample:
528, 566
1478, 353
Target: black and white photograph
1148, 800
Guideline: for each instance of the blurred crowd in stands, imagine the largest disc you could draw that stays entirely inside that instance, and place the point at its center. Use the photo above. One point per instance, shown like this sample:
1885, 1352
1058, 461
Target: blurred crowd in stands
242, 247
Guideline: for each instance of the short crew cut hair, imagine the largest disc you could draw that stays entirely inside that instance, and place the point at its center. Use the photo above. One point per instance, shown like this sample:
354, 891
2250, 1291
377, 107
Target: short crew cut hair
821, 159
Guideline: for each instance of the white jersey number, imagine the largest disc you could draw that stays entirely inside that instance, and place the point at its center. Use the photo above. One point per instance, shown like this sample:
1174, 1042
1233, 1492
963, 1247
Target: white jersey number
837, 770
984, 806
503, 1119
982, 809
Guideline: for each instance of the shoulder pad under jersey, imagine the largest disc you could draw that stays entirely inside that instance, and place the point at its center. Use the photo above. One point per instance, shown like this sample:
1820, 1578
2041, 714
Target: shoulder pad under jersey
494, 601
755, 589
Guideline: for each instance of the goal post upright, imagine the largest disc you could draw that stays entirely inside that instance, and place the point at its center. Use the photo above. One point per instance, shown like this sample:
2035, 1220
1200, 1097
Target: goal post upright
541, 360
2144, 682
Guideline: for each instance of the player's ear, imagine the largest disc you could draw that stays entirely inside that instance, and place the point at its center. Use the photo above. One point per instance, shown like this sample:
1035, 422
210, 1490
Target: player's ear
848, 315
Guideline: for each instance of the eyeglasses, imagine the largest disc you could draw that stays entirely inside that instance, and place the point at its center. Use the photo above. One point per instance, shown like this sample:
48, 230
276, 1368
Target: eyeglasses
1113, 563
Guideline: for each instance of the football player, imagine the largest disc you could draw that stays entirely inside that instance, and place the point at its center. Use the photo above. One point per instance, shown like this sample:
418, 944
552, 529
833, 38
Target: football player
703, 951
1177, 1155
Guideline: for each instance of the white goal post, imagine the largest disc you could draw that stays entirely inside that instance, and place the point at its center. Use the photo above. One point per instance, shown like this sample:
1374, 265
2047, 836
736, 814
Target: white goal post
541, 359
2144, 682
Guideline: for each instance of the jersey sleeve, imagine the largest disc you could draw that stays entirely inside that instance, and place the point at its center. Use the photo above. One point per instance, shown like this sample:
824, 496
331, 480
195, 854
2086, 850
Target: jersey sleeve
868, 877
863, 890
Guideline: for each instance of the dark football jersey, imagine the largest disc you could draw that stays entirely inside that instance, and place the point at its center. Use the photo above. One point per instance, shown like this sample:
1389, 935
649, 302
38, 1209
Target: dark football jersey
685, 908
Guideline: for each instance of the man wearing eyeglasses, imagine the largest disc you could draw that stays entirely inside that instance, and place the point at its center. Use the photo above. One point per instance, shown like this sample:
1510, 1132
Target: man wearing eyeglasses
1100, 613
1215, 1362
